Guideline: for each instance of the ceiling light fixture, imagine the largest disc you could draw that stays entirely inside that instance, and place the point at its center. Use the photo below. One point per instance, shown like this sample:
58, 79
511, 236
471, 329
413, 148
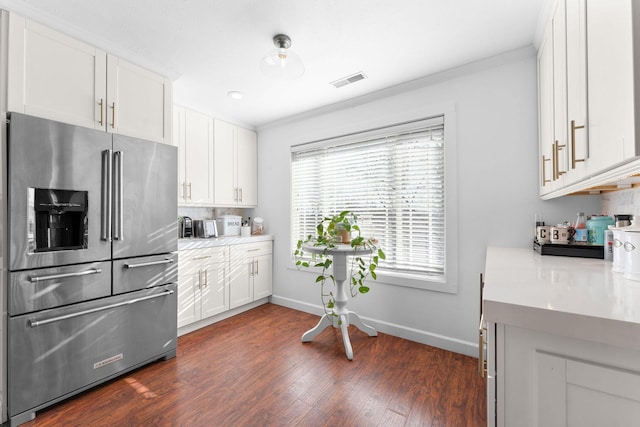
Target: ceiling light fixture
235, 94
281, 63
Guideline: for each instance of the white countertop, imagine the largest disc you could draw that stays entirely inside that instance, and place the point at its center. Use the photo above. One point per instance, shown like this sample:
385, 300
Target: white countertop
197, 243
574, 297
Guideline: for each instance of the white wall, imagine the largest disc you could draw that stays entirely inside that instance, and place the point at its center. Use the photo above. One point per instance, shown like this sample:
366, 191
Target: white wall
496, 111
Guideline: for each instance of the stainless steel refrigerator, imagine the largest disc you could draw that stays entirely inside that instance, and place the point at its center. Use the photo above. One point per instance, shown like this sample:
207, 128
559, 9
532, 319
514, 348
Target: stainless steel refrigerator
92, 263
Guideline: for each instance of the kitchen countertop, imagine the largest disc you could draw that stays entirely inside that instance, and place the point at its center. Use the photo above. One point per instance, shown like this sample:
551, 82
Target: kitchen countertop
573, 297
198, 243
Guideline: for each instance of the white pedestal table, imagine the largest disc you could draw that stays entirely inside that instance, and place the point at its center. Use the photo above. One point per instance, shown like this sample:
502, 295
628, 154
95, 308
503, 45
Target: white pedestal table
342, 317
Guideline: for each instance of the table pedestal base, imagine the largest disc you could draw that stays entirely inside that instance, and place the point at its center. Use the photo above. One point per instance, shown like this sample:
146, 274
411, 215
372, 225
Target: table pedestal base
342, 321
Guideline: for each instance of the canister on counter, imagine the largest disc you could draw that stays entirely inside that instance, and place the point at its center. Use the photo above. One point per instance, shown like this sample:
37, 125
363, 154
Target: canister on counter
596, 227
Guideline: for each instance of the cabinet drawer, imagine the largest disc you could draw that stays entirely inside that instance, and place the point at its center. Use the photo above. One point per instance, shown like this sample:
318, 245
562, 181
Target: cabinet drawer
208, 255
251, 249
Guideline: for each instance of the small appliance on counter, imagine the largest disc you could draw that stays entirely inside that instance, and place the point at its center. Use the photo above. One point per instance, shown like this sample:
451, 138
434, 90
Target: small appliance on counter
187, 227
204, 228
229, 225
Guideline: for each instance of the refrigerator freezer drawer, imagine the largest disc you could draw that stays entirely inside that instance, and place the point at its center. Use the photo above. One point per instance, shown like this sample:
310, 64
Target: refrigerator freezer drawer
56, 353
34, 290
132, 274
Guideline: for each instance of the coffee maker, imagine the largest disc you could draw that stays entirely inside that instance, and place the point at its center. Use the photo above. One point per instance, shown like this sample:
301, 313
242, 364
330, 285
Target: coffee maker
187, 227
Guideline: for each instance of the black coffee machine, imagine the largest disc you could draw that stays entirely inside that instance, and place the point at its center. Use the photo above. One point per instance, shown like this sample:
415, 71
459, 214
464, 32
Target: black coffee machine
187, 227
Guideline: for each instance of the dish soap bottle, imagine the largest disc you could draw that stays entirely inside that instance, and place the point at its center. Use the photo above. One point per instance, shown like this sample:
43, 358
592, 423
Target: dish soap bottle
581, 235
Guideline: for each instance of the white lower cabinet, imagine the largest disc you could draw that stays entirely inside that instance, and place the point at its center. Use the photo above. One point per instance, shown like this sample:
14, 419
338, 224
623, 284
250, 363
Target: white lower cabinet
214, 280
540, 379
203, 283
250, 271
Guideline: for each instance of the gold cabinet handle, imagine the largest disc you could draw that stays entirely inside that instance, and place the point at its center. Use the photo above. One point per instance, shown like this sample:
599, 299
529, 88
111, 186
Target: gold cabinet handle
573, 144
482, 363
554, 162
556, 148
113, 115
199, 279
101, 112
544, 170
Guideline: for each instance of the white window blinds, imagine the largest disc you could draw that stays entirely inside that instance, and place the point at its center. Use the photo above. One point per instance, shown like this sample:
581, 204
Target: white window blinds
392, 178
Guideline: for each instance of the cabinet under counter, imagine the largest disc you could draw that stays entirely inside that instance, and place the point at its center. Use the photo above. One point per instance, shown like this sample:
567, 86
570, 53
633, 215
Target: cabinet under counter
563, 343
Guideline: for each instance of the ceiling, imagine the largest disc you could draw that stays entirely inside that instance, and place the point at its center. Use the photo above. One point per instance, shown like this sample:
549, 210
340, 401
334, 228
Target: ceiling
210, 47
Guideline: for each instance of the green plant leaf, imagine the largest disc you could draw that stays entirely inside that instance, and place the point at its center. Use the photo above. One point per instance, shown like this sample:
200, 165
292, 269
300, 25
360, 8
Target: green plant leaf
319, 264
320, 278
330, 304
372, 267
363, 289
298, 262
305, 264
375, 260
373, 274
381, 254
320, 229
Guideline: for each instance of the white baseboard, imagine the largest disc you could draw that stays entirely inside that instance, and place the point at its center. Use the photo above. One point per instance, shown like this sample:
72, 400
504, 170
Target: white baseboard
218, 317
412, 334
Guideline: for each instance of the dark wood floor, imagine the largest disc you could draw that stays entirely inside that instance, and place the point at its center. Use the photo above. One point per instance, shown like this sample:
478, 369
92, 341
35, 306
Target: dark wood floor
252, 370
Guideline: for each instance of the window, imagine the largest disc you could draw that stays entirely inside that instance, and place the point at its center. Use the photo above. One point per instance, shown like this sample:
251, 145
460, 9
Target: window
392, 178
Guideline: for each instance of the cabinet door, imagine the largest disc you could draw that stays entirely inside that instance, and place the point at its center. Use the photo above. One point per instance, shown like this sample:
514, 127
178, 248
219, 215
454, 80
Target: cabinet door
224, 160
247, 167
138, 101
179, 140
545, 114
610, 83
262, 277
215, 289
198, 158
560, 93
240, 277
577, 90
574, 393
54, 76
188, 288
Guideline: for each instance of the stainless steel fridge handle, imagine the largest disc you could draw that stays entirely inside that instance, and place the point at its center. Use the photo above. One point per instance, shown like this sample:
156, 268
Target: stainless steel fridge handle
149, 264
36, 323
36, 279
119, 208
105, 232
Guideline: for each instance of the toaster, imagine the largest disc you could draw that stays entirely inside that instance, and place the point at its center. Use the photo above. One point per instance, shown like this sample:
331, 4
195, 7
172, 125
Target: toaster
205, 228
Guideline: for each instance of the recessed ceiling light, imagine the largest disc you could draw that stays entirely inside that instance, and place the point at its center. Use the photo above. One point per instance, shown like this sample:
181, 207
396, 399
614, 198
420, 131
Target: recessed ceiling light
235, 94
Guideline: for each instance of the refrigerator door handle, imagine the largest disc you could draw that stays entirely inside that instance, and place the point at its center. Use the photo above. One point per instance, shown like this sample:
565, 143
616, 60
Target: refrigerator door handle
118, 184
36, 279
148, 264
36, 323
107, 199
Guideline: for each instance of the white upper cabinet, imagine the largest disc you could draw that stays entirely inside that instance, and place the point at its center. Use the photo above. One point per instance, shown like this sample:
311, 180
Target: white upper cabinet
193, 133
138, 101
546, 141
235, 166
611, 65
58, 77
578, 140
594, 61
54, 76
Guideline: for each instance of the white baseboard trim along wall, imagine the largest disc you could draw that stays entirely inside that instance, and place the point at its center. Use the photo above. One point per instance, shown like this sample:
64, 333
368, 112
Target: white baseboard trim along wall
412, 334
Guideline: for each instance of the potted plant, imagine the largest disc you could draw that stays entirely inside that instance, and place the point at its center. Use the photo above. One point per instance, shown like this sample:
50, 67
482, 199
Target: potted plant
330, 232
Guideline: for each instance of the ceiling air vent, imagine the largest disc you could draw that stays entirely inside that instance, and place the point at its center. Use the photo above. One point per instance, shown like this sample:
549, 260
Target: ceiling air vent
349, 79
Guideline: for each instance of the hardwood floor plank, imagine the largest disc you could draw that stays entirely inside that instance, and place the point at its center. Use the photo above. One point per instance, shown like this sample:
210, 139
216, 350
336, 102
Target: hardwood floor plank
253, 370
